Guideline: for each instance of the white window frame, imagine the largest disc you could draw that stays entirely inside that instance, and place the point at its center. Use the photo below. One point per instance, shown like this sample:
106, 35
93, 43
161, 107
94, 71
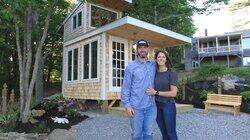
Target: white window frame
89, 41
77, 19
125, 42
72, 61
117, 16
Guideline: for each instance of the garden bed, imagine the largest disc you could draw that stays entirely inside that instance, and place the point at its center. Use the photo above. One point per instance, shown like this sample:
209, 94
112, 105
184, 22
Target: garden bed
45, 123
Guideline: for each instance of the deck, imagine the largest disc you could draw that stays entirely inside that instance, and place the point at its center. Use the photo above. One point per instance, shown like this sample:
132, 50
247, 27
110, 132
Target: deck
179, 108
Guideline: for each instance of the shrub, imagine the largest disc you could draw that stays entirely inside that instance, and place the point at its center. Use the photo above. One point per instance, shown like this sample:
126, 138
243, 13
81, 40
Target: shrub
203, 94
72, 112
210, 72
8, 121
179, 93
245, 95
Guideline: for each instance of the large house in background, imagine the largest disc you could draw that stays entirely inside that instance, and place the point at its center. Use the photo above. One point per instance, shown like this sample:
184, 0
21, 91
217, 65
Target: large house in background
230, 49
98, 45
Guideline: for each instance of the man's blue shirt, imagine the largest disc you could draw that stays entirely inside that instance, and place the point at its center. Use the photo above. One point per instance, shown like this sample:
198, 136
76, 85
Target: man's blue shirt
138, 77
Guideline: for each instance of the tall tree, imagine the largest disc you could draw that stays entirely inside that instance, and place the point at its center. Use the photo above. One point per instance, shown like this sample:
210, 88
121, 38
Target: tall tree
174, 15
31, 21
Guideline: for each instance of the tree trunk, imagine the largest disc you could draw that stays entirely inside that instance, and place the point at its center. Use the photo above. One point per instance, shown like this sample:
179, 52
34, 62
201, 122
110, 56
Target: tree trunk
39, 82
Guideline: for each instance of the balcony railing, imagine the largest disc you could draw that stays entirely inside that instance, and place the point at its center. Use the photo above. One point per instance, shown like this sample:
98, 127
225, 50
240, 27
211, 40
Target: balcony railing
231, 48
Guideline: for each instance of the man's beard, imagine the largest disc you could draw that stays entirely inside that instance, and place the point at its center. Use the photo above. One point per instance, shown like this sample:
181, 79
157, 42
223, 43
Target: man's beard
143, 55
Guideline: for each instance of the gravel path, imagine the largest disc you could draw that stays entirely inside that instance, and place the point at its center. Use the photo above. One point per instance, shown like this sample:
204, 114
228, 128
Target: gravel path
193, 125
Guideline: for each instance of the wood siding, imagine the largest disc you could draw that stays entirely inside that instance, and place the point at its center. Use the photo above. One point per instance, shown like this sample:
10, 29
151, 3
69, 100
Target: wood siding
92, 90
70, 33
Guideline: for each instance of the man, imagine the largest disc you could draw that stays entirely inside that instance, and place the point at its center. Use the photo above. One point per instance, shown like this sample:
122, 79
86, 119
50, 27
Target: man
140, 107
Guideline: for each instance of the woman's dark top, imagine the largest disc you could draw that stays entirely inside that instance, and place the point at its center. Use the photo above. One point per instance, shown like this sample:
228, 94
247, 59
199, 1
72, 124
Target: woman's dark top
163, 80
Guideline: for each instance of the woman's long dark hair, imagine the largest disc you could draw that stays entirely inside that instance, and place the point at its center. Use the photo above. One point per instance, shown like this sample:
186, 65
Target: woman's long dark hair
168, 62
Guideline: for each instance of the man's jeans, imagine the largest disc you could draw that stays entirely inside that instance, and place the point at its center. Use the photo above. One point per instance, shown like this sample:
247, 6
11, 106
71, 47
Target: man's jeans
142, 123
166, 119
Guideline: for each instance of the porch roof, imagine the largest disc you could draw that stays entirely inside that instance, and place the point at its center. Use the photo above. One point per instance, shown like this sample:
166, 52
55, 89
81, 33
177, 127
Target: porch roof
131, 28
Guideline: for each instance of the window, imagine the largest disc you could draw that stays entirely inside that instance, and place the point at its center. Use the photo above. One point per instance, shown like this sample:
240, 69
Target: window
118, 63
246, 42
72, 65
77, 20
195, 64
246, 61
90, 52
100, 17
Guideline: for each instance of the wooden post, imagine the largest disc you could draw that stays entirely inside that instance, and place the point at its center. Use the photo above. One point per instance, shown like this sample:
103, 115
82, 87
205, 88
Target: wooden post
105, 106
184, 80
4, 98
12, 99
219, 85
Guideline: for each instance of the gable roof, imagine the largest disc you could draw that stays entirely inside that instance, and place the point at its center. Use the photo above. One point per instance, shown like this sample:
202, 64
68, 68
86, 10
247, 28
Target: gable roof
128, 27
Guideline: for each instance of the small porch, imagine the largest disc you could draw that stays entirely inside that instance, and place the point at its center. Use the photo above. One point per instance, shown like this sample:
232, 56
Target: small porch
179, 108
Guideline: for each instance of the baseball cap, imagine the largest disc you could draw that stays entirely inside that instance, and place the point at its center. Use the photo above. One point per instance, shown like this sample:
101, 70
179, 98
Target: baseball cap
142, 42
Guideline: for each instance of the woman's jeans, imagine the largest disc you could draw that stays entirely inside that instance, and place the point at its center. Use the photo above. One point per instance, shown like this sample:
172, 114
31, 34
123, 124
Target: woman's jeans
142, 123
166, 119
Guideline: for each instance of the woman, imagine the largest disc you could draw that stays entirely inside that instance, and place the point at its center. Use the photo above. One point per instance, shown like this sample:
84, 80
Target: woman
165, 91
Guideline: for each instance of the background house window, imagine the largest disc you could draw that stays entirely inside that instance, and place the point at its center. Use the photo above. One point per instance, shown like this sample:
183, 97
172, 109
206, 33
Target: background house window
90, 52
100, 17
195, 64
77, 20
118, 63
72, 65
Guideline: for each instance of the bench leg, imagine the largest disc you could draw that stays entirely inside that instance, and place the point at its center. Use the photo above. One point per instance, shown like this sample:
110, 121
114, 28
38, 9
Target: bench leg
206, 107
236, 110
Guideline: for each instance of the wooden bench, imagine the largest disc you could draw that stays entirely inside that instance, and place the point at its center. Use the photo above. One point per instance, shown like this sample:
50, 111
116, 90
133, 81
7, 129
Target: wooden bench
228, 103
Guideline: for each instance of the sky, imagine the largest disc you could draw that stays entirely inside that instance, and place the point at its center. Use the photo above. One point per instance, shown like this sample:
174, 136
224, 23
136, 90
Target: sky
219, 22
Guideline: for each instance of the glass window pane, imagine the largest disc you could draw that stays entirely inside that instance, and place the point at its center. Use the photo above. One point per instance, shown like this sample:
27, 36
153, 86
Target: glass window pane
74, 22
69, 65
122, 55
123, 65
114, 64
122, 74
86, 62
94, 59
75, 69
118, 55
114, 54
107, 16
118, 82
114, 45
79, 19
114, 82
122, 47
118, 64
118, 46
114, 73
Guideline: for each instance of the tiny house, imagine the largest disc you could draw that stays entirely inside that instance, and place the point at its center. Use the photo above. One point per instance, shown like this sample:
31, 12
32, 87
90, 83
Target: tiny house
98, 45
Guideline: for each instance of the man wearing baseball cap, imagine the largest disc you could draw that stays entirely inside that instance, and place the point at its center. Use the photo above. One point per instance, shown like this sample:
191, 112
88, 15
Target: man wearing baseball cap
140, 107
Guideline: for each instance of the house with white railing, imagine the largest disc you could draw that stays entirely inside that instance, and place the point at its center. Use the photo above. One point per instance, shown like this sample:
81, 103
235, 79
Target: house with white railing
230, 49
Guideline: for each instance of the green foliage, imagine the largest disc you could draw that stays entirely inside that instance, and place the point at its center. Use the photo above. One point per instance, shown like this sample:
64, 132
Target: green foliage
190, 98
245, 95
179, 93
57, 97
240, 71
210, 72
8, 120
203, 94
72, 112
